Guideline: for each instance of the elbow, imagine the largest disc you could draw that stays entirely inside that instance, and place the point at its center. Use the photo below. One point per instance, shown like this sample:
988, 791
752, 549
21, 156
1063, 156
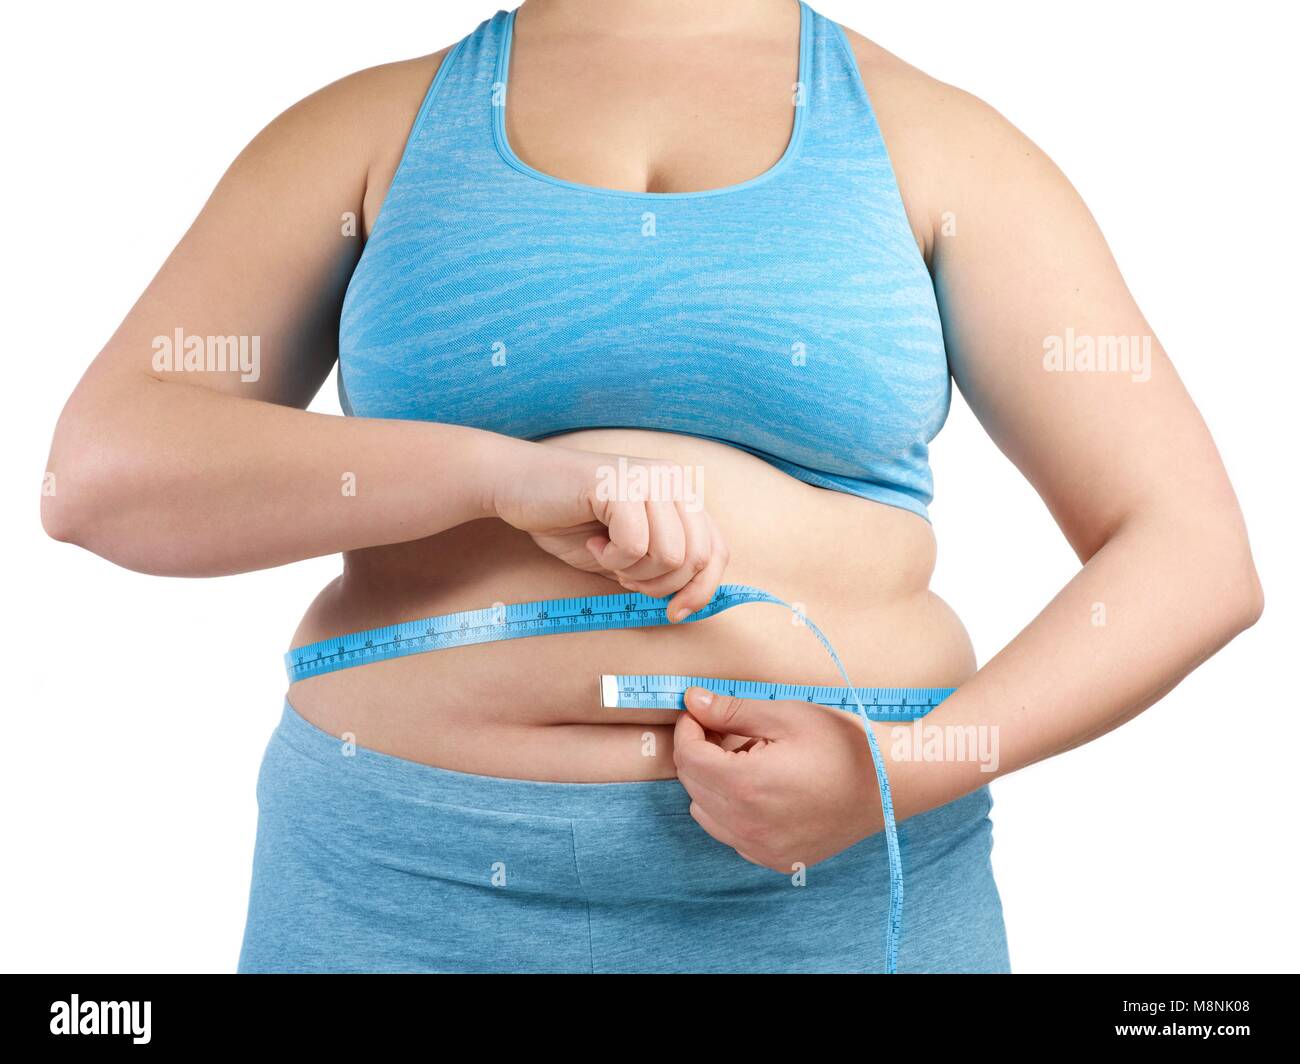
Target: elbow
57, 517
120, 494
74, 497
1209, 573
72, 485
1250, 605
1214, 563
99, 510
91, 490
1235, 589
117, 502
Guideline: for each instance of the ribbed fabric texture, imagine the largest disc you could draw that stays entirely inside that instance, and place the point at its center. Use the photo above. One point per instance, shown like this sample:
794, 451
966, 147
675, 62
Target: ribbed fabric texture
791, 315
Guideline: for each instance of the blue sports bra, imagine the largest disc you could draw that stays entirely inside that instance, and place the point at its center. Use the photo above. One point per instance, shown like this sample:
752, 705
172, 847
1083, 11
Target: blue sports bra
790, 315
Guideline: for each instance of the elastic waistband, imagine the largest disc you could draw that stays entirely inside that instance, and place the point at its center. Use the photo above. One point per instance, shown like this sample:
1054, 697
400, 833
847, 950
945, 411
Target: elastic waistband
352, 763
347, 764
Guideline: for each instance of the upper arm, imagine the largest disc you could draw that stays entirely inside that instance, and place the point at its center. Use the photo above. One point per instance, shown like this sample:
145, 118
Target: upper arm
269, 257
1050, 348
1026, 285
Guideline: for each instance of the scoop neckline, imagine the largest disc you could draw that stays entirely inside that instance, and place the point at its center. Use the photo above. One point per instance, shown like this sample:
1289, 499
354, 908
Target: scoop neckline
501, 94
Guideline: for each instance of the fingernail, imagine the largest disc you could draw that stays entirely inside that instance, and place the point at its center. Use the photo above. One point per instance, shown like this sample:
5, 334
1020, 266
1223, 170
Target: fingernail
703, 698
682, 614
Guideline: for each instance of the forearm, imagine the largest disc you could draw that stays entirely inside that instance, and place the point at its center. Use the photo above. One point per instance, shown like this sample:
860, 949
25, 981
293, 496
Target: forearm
1155, 601
173, 479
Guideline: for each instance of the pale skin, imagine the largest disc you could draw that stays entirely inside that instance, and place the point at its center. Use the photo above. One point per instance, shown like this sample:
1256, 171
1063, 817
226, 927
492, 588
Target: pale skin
200, 474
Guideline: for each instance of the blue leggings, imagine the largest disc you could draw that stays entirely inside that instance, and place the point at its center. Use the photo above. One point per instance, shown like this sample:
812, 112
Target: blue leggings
369, 863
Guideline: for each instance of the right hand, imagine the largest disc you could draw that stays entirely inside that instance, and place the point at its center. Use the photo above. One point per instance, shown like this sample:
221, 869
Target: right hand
577, 507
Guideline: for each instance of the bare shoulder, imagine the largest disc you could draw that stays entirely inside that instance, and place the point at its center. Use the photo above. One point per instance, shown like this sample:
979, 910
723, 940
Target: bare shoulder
298, 185
388, 98
947, 145
384, 99
350, 133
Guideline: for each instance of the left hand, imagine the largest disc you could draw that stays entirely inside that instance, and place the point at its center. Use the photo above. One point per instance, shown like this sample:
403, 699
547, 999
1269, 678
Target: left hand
802, 788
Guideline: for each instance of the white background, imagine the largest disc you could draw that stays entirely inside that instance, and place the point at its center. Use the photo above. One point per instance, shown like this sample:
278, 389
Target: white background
136, 708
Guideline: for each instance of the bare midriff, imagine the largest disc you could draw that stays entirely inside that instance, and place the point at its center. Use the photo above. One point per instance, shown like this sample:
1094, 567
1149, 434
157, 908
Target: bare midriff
530, 708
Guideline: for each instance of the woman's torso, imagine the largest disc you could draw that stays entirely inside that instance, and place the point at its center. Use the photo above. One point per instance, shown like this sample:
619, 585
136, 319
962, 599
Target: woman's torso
740, 334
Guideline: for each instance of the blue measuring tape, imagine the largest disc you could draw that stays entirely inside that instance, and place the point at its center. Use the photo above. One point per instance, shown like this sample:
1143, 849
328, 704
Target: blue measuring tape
884, 704
597, 613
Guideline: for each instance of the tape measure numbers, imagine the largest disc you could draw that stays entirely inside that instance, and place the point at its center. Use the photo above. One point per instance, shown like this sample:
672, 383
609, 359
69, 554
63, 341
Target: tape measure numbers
591, 613
885, 704
596, 613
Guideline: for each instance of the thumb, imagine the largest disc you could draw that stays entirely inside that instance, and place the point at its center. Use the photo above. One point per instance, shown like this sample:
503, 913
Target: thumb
759, 718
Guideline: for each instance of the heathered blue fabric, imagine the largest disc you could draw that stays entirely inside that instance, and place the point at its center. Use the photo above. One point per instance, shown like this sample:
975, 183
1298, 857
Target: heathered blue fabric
369, 863
791, 315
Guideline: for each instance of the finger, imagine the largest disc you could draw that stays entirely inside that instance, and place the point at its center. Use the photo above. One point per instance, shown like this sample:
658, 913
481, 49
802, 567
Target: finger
695, 746
666, 552
697, 593
628, 537
704, 762
686, 733
687, 730
698, 547
716, 828
755, 718
596, 548
716, 803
